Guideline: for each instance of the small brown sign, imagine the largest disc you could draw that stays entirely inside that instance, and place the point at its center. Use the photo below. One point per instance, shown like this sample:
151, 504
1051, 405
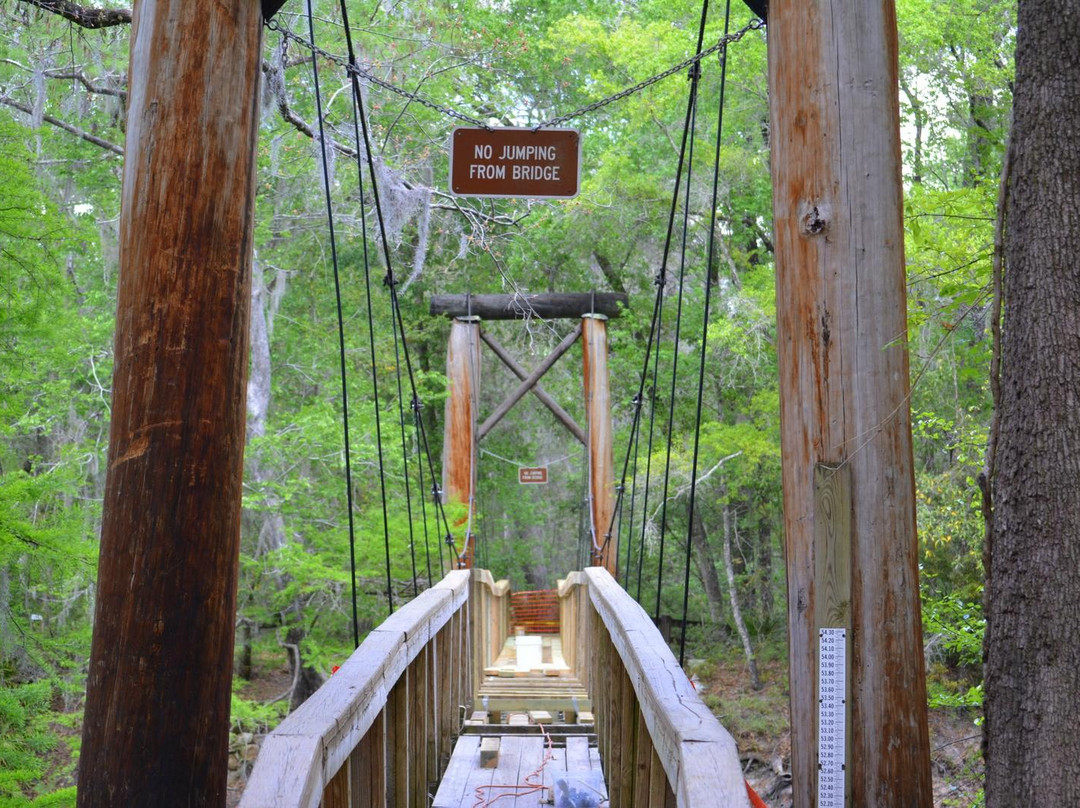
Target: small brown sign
515, 162
533, 476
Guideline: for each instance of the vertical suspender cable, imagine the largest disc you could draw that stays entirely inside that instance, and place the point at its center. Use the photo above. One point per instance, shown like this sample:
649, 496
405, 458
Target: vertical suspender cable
420, 488
405, 461
704, 337
341, 331
661, 277
389, 280
695, 76
371, 330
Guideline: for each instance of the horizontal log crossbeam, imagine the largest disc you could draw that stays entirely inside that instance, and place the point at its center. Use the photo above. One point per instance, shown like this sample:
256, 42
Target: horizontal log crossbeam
522, 307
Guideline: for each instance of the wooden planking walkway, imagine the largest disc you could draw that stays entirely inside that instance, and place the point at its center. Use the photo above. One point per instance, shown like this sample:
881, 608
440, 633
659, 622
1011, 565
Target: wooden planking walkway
519, 758
516, 684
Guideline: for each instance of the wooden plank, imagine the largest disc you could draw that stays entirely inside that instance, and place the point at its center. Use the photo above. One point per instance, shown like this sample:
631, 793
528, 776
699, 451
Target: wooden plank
674, 713
832, 585
561, 415
517, 307
577, 755
336, 793
643, 755
528, 383
844, 378
159, 680
465, 758
489, 752
397, 745
299, 778
418, 729
622, 779
533, 751
370, 789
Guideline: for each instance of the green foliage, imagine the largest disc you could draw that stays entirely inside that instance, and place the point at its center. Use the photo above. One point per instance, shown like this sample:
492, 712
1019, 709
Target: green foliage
25, 740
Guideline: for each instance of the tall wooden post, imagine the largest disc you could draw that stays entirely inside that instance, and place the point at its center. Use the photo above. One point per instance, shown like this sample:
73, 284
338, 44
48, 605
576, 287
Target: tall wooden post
849, 506
158, 692
594, 350
459, 435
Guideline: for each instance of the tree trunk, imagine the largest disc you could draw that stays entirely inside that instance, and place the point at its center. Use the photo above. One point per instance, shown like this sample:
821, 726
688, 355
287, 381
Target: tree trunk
159, 684
707, 565
1033, 589
844, 388
736, 611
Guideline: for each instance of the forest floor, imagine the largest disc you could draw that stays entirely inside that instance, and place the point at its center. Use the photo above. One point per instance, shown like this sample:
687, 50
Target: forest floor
758, 721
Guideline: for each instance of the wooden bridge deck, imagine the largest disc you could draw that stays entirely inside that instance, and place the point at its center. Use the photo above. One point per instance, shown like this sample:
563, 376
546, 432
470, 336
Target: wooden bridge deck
529, 773
531, 674
387, 729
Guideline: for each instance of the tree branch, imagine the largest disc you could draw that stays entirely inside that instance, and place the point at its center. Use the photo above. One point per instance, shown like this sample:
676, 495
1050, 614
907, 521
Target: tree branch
85, 16
67, 127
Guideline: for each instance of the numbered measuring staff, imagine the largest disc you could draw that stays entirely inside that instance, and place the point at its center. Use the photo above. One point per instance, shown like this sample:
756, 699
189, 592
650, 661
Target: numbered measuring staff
832, 716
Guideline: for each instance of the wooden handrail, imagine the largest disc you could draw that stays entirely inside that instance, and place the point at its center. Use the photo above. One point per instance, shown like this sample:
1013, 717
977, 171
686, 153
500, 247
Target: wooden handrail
380, 731
658, 741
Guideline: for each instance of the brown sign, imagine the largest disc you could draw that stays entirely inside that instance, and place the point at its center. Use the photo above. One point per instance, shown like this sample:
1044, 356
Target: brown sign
534, 476
515, 162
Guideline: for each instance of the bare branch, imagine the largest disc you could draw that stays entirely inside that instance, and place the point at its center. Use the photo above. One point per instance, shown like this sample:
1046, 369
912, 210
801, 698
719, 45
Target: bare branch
85, 81
85, 16
67, 127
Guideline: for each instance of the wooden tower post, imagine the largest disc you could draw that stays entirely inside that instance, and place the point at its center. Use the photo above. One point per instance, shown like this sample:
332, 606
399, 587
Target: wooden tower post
849, 506
157, 707
594, 349
459, 431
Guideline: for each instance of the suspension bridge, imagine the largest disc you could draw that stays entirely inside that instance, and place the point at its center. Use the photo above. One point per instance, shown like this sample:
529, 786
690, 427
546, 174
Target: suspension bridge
451, 701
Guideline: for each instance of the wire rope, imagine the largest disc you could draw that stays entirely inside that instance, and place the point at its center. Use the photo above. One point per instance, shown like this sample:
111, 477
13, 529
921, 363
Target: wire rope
675, 353
710, 254
405, 461
389, 279
341, 342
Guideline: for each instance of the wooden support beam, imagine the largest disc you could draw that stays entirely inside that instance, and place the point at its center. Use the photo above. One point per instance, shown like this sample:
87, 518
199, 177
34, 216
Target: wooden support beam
519, 307
594, 349
528, 383
459, 435
841, 336
562, 415
157, 709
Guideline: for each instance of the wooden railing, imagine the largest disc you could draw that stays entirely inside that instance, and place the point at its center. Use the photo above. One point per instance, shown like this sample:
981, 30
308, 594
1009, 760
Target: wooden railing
490, 621
382, 729
658, 741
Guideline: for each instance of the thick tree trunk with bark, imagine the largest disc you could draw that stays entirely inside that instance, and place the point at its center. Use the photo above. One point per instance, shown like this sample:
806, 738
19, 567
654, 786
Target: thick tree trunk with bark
1033, 589
158, 690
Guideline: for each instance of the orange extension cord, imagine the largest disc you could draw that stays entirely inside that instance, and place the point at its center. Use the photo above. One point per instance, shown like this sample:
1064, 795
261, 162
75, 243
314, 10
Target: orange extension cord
527, 786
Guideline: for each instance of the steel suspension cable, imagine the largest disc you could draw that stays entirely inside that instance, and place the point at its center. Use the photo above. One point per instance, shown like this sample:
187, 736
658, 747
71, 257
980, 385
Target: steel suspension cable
661, 280
389, 280
405, 461
341, 342
675, 358
423, 502
710, 254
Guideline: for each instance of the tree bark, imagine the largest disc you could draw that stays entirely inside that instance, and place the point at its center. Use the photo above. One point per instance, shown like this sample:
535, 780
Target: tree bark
159, 683
1033, 590
707, 565
844, 383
